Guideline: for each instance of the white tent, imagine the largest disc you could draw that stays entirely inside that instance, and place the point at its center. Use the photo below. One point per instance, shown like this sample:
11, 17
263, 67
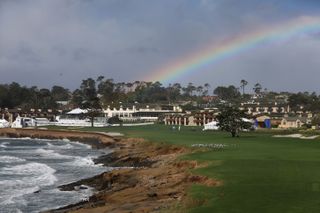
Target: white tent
247, 120
4, 123
213, 125
77, 111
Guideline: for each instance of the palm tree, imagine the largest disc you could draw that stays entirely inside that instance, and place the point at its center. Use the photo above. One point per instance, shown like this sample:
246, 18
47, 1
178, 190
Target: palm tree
190, 89
177, 86
100, 78
243, 84
257, 88
207, 87
199, 90
129, 86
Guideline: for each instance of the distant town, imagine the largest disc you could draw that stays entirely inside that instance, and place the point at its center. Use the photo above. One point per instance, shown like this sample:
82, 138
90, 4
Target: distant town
103, 102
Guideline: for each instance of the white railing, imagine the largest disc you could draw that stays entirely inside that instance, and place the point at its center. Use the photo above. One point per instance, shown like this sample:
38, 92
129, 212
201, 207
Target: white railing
135, 124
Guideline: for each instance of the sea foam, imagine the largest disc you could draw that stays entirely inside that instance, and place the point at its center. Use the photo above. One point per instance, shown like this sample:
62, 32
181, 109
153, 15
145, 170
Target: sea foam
34, 176
50, 154
82, 162
10, 159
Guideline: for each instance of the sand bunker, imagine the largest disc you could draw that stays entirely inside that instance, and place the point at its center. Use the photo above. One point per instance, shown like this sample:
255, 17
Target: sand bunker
300, 136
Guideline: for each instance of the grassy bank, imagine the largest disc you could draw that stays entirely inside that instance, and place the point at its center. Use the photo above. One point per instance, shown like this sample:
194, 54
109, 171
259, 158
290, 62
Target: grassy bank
259, 173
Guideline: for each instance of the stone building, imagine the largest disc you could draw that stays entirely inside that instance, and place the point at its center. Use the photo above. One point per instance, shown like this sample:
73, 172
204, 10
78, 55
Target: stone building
199, 118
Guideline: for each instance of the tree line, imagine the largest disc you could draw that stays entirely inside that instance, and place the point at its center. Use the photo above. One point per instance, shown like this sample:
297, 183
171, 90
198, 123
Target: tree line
102, 92
14, 95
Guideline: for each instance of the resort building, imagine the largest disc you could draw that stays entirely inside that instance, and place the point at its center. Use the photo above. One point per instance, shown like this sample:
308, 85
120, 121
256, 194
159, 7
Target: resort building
143, 113
199, 118
179, 119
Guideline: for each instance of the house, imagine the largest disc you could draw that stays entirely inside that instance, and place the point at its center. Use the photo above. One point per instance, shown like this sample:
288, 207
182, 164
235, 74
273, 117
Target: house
256, 108
294, 122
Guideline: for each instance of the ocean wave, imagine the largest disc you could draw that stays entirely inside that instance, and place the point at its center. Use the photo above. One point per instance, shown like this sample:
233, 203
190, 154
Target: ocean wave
27, 169
65, 146
83, 162
51, 154
81, 144
34, 176
61, 161
4, 144
69, 144
10, 159
8, 198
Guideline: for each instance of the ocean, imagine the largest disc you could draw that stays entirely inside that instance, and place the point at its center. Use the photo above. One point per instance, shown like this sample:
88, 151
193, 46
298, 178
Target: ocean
32, 169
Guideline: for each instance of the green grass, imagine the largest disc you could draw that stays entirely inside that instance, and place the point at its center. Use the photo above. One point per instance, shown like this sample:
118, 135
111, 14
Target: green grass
260, 174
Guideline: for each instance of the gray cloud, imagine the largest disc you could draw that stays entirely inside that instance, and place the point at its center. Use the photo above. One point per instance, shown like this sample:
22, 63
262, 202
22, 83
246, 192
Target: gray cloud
48, 42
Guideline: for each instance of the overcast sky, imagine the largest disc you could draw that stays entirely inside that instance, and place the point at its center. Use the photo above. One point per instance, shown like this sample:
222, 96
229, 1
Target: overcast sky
61, 42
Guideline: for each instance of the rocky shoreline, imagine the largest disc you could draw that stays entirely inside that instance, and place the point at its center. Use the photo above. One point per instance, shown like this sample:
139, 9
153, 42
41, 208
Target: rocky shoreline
148, 178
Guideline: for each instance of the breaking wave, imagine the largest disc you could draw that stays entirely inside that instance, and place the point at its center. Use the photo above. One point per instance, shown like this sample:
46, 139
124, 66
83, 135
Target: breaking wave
32, 177
31, 171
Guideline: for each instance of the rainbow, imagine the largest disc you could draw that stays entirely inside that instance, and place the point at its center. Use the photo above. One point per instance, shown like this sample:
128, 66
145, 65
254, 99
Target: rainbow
217, 52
